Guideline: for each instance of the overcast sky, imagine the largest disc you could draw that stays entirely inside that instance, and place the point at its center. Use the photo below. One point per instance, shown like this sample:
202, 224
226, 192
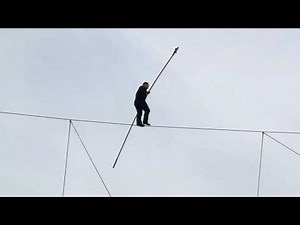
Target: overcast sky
223, 78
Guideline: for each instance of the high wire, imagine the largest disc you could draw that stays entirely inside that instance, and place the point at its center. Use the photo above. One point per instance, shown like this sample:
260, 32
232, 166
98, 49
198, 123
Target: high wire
264, 133
152, 126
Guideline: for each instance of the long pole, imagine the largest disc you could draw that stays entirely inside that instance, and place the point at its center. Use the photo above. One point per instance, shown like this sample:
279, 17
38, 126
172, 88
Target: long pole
175, 51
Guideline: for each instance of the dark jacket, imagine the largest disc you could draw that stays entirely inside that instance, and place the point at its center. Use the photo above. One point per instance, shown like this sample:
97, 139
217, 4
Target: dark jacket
140, 95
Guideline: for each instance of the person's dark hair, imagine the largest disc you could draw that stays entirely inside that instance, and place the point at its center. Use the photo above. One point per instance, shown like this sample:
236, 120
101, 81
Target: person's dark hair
145, 83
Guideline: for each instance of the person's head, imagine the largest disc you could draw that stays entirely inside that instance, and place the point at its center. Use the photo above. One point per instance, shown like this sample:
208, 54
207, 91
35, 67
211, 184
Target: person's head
145, 85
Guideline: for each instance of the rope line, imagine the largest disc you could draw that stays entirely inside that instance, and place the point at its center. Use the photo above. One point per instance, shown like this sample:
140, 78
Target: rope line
152, 126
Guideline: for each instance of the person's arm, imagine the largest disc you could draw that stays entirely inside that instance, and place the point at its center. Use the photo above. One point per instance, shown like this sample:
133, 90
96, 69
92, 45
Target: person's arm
147, 93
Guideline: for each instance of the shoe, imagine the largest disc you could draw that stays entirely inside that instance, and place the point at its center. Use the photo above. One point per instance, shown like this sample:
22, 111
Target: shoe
140, 125
148, 124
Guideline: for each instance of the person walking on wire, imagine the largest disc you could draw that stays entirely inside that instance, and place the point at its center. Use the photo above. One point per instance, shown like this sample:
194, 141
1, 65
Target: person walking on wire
141, 105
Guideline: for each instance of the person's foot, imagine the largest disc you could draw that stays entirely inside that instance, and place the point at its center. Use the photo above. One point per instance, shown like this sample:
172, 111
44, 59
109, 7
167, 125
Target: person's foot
140, 125
148, 124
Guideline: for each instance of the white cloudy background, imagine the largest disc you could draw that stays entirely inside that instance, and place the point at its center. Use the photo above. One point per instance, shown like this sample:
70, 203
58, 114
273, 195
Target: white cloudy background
225, 78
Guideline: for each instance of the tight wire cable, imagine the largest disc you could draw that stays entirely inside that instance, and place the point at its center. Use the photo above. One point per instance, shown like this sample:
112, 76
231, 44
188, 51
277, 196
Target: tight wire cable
152, 126
157, 126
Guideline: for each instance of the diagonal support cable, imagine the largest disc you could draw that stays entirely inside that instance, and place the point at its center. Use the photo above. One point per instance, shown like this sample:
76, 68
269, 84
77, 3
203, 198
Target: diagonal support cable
91, 160
282, 144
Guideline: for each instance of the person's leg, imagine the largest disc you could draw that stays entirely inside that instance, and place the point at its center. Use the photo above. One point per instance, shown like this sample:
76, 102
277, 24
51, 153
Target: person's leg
139, 115
146, 114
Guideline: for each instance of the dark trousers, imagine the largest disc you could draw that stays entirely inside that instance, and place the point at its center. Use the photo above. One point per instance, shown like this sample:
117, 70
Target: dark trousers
139, 108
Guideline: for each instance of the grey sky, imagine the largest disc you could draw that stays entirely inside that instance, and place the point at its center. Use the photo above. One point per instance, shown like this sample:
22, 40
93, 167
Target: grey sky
226, 78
